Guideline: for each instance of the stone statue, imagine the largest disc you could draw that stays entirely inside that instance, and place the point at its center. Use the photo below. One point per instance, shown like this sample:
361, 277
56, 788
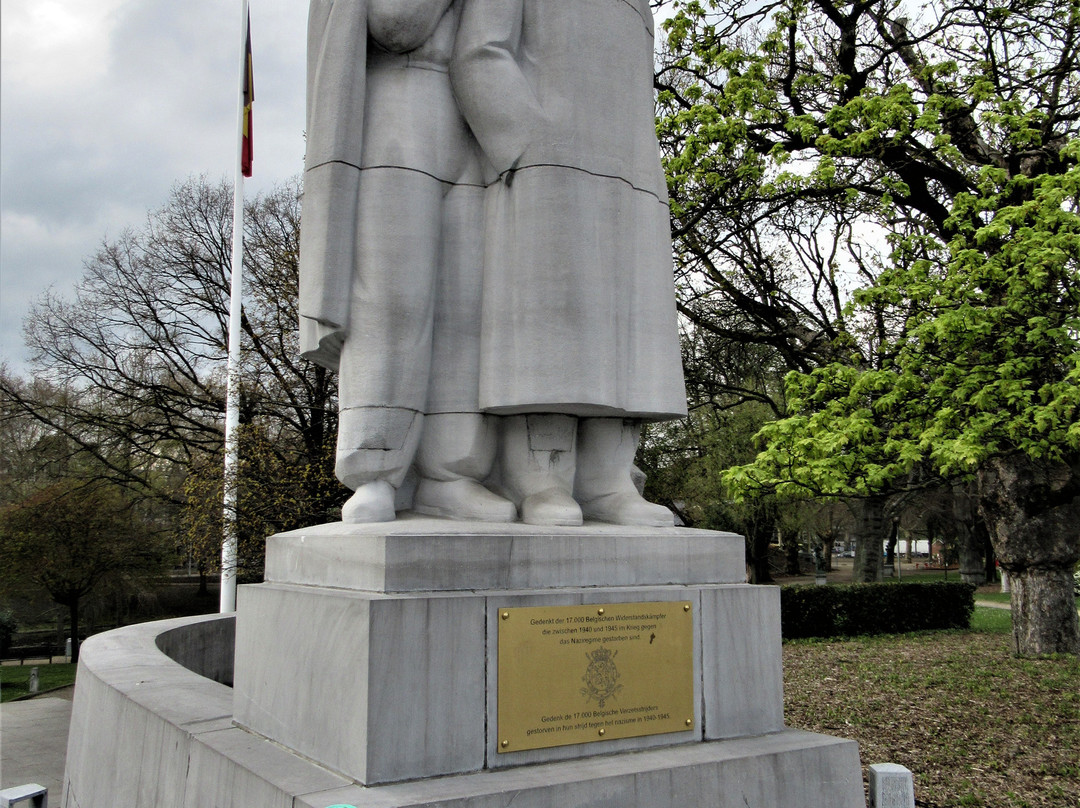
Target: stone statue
512, 299
391, 257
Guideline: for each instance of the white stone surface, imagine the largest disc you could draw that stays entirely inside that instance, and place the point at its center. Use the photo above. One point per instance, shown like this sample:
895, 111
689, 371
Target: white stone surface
30, 795
381, 688
427, 650
579, 299
391, 243
419, 554
743, 669
792, 769
485, 232
146, 731
134, 715
891, 786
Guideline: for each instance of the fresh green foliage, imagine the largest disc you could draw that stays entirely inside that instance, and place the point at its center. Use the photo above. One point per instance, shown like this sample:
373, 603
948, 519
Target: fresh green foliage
947, 133
988, 361
877, 200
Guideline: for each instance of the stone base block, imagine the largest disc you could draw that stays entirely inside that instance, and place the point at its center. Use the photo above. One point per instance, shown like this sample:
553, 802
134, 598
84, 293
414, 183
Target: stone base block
384, 688
366, 674
423, 554
147, 732
373, 649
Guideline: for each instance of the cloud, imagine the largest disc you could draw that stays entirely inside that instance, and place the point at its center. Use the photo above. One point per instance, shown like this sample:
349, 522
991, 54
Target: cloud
105, 104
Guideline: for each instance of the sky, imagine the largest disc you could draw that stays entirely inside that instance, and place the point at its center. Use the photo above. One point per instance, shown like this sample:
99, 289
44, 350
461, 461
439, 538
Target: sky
106, 104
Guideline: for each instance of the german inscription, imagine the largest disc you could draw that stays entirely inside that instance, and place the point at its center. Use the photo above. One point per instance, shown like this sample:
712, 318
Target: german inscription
578, 674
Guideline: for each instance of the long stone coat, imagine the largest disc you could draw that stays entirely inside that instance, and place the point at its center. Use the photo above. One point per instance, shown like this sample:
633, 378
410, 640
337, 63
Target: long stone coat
579, 301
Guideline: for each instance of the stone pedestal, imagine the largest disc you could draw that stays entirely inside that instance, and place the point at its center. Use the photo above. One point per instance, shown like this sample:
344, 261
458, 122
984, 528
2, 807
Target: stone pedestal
373, 651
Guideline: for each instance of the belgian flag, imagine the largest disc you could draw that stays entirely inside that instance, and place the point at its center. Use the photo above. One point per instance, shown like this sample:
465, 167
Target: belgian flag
246, 149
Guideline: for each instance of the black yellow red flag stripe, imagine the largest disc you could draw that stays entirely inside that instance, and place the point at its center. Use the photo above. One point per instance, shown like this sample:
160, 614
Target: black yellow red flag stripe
246, 149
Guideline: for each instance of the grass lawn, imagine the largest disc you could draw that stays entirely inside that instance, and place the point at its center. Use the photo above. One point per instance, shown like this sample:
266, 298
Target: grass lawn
15, 679
977, 726
994, 597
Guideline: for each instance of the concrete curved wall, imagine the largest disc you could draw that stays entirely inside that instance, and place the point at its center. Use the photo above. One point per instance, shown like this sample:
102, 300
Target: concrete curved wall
147, 731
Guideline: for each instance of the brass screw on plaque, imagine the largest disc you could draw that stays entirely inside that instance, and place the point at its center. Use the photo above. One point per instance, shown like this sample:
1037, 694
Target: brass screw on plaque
686, 607
505, 615
689, 722
600, 611
505, 744
603, 732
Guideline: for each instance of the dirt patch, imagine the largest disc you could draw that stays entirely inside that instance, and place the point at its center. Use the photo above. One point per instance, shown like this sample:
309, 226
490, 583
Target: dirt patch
977, 726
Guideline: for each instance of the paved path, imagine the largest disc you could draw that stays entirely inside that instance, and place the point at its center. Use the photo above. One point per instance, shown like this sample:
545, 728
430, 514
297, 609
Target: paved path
989, 604
33, 741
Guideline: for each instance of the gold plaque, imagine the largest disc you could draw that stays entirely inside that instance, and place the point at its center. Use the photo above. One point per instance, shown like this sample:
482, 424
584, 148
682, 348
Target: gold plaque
575, 674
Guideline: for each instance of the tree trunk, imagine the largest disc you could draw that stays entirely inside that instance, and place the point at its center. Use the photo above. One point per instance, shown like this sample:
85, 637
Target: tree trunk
73, 613
869, 536
826, 555
758, 539
1043, 612
789, 540
890, 547
1032, 509
968, 537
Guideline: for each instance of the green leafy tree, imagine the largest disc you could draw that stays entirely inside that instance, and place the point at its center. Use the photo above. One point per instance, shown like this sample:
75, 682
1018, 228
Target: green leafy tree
947, 133
984, 381
140, 351
279, 488
71, 537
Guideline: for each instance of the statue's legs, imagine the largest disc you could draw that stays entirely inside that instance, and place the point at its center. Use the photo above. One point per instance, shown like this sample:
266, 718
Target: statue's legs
603, 485
386, 359
537, 456
457, 447
456, 452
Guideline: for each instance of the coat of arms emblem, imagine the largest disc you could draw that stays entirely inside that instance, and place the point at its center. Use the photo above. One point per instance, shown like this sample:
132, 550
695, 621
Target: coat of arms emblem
601, 677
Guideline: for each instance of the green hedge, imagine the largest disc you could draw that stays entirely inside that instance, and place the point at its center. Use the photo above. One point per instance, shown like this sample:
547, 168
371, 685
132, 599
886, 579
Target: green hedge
895, 608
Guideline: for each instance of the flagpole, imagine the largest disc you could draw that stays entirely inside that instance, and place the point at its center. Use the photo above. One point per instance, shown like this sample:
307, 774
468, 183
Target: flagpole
232, 395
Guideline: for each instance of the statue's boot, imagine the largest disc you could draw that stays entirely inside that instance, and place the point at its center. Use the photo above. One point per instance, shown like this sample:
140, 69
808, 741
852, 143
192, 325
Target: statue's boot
604, 485
375, 449
456, 451
536, 464
371, 502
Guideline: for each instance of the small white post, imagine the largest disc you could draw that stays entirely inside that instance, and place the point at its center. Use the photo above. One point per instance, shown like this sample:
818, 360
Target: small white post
891, 786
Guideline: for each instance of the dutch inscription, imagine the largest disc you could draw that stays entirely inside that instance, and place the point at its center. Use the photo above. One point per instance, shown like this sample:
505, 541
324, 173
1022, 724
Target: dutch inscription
578, 674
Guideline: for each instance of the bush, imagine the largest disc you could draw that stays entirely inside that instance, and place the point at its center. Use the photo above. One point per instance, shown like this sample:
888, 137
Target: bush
808, 611
854, 609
